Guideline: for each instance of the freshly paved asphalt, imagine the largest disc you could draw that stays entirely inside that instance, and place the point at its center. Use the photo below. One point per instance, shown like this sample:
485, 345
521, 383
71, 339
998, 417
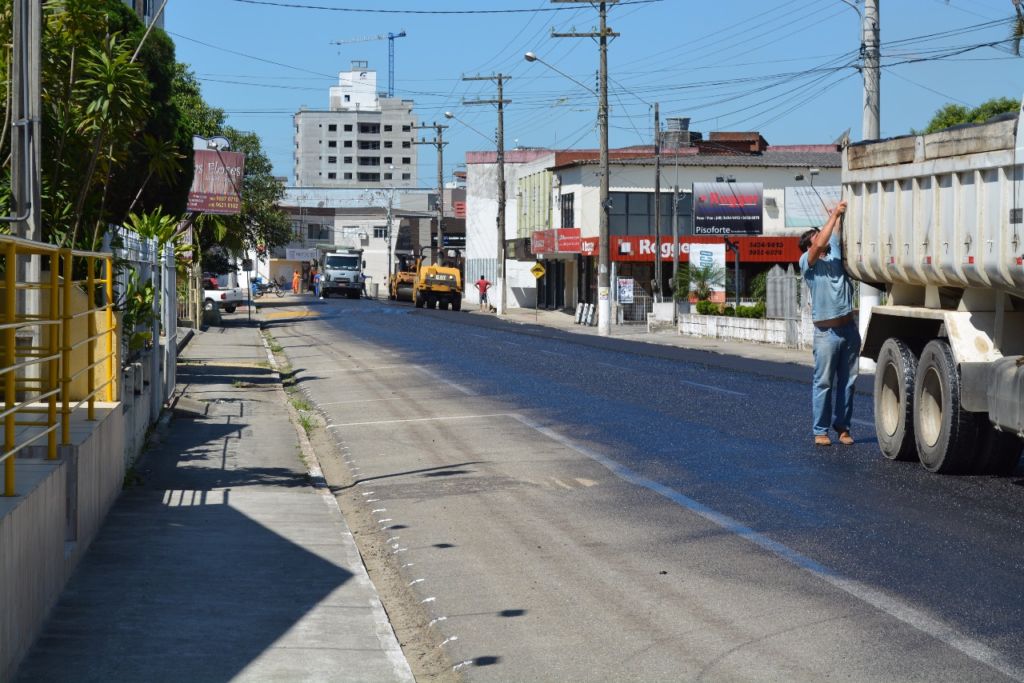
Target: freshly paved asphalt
593, 509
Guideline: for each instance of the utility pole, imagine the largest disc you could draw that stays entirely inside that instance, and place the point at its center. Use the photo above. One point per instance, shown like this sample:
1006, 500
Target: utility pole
439, 143
657, 203
870, 47
604, 325
500, 102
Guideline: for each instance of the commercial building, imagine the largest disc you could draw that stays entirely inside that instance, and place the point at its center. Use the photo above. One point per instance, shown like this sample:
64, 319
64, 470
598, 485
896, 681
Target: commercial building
553, 211
364, 139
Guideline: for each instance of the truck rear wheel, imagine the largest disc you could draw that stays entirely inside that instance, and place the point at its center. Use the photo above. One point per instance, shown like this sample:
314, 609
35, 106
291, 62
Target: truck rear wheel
945, 433
998, 452
894, 400
417, 299
457, 303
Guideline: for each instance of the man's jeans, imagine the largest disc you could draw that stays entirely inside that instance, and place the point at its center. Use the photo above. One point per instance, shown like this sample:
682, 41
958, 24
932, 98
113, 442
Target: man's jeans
836, 356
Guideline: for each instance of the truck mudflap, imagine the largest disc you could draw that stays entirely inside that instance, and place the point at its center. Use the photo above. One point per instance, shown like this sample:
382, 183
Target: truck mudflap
1006, 394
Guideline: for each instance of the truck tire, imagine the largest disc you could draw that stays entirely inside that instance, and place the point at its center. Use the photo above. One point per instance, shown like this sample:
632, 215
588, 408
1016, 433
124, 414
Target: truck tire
945, 433
417, 300
230, 308
894, 400
209, 305
457, 303
998, 452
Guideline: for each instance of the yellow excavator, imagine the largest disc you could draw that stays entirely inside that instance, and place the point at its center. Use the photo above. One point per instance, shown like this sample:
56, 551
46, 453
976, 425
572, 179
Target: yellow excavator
438, 284
403, 279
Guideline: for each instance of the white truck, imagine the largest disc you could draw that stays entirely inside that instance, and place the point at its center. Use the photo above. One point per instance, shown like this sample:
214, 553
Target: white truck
343, 273
936, 221
225, 298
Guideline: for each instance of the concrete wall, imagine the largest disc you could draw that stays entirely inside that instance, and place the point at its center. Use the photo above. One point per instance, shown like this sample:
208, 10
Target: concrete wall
49, 526
791, 333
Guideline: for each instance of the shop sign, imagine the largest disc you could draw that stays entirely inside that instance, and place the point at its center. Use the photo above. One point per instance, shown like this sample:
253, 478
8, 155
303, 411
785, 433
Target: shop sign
300, 254
568, 240
588, 246
543, 242
635, 248
727, 208
216, 182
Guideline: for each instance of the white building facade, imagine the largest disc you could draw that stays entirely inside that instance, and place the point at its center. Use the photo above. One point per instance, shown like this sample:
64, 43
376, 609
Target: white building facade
363, 140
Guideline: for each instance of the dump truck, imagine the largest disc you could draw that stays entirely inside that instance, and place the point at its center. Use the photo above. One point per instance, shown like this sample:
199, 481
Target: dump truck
437, 284
343, 273
403, 280
937, 222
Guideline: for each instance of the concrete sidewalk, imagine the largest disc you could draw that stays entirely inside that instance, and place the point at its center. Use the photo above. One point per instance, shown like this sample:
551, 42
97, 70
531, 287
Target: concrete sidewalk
565, 321
224, 563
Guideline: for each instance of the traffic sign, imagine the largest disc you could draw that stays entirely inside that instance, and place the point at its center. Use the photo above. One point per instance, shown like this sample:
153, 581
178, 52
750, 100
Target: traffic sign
538, 270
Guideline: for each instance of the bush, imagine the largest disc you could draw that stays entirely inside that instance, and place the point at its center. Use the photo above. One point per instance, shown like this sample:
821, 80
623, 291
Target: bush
707, 308
729, 311
755, 311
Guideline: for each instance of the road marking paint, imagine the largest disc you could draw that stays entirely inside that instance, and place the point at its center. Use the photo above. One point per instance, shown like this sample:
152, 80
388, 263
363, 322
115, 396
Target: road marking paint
710, 388
378, 510
894, 607
561, 483
419, 419
387, 519
393, 538
439, 619
474, 334
368, 493
427, 600
450, 639
458, 387
586, 482
346, 371
415, 581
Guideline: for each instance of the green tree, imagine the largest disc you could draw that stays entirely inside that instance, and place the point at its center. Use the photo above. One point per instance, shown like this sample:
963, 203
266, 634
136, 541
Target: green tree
957, 114
698, 280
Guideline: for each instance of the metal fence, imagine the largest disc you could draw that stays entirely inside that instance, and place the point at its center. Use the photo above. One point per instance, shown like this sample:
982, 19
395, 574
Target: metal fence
48, 326
633, 307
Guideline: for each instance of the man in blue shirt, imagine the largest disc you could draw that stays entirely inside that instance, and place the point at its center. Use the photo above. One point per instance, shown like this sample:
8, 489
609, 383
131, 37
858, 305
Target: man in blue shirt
836, 338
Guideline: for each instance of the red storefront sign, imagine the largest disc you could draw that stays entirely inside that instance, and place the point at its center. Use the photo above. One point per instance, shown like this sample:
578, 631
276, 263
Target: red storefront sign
560, 241
752, 249
588, 246
460, 209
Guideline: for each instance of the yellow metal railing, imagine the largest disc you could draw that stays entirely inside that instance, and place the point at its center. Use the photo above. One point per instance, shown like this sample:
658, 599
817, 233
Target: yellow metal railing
39, 375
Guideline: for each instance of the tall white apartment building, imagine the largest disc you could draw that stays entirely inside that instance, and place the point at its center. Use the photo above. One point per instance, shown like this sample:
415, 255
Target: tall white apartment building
364, 139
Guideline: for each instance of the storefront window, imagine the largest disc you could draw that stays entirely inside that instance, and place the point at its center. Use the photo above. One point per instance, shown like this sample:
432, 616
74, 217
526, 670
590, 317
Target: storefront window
631, 213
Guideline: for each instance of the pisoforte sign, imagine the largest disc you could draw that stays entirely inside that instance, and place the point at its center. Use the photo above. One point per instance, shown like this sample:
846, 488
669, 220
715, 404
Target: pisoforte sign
727, 208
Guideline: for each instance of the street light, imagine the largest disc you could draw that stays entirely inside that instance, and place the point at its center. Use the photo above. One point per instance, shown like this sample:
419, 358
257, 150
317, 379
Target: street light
604, 326
451, 116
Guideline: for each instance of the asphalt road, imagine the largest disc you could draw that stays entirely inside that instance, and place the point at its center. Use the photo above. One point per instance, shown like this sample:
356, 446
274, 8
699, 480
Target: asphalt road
596, 510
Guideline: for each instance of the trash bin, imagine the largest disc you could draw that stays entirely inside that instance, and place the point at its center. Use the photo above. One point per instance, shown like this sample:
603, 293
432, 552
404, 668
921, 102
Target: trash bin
373, 288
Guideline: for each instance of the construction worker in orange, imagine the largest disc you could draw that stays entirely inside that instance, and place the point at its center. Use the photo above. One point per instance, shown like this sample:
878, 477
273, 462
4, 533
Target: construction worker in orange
295, 282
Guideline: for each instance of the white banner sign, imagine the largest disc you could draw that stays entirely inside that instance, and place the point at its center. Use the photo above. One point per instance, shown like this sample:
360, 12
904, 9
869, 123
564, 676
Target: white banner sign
702, 255
301, 254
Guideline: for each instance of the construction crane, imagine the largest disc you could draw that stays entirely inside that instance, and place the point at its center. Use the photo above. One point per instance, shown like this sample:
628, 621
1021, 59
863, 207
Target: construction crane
390, 37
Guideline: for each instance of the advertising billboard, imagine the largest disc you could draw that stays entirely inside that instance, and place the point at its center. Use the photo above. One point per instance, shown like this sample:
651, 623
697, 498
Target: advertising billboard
727, 208
809, 207
217, 182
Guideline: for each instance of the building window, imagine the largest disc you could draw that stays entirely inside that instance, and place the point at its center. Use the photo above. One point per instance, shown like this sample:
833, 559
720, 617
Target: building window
387, 160
406, 176
387, 129
332, 127
406, 145
387, 144
369, 177
348, 160
332, 176
332, 143
369, 144
332, 160
347, 143
348, 127
406, 129
348, 98
348, 176
631, 213
369, 161
387, 176
408, 160
315, 231
369, 128
380, 232
568, 210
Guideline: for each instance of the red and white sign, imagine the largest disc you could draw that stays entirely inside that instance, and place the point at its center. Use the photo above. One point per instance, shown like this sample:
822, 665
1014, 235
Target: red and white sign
568, 240
752, 249
460, 209
217, 182
560, 241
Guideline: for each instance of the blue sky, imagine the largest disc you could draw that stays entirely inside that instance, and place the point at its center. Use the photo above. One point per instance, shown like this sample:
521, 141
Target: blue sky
781, 67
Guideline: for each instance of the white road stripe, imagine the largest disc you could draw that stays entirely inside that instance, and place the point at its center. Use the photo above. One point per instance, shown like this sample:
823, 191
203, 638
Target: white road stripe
720, 390
361, 400
553, 353
417, 419
458, 387
894, 607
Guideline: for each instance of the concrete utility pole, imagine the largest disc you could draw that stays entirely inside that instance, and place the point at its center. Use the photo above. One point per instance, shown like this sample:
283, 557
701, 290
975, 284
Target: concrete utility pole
439, 143
870, 46
500, 102
604, 309
657, 202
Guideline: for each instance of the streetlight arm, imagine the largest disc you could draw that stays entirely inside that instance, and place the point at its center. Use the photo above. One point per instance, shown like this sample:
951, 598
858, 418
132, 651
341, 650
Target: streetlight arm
531, 57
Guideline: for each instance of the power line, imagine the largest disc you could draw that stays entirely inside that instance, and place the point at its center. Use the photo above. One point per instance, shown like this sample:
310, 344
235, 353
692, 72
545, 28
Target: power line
364, 10
247, 56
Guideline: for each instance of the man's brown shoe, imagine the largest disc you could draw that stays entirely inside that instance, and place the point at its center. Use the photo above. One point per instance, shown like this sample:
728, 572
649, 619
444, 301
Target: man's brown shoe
822, 440
845, 438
